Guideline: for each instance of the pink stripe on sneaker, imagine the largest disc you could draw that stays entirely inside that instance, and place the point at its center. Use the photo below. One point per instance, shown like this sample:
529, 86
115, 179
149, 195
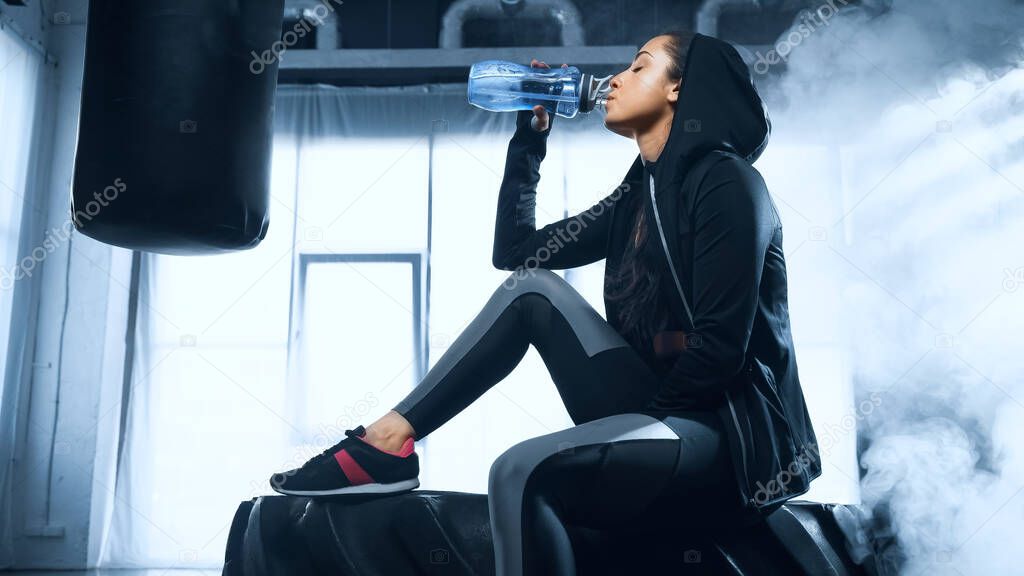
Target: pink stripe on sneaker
353, 471
407, 448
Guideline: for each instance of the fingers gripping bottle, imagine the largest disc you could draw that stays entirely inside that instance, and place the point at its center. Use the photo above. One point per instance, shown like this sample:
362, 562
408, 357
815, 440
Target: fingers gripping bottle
502, 86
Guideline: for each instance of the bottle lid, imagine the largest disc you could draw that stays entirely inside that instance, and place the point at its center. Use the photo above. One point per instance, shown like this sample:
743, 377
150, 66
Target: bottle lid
594, 91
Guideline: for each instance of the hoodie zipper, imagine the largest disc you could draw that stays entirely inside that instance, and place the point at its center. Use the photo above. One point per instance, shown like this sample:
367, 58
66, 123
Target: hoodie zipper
664, 244
679, 287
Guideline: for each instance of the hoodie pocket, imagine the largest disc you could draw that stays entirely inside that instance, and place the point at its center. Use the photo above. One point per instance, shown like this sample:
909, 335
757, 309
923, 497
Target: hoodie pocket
764, 384
775, 464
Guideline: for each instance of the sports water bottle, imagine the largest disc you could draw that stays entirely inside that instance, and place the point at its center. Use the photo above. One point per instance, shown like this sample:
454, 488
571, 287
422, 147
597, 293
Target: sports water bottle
501, 86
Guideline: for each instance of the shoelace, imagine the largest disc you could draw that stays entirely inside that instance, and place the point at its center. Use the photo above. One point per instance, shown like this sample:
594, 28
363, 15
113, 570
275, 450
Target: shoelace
357, 432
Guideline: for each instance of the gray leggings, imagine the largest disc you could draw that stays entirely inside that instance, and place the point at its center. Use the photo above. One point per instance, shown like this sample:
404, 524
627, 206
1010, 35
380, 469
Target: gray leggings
618, 465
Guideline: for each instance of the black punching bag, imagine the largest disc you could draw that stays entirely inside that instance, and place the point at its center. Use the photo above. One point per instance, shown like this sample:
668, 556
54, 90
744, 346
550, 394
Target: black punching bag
175, 132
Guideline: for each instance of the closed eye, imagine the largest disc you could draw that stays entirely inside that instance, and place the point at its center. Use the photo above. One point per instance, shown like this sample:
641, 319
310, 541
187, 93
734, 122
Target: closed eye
637, 68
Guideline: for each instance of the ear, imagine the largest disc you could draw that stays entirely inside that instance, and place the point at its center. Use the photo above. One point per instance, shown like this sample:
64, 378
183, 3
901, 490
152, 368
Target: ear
673, 95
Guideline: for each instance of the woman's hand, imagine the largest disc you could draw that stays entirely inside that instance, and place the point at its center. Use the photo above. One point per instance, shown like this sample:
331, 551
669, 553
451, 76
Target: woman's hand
540, 119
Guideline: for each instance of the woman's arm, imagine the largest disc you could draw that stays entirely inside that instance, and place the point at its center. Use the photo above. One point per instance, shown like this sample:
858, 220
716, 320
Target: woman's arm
567, 243
734, 223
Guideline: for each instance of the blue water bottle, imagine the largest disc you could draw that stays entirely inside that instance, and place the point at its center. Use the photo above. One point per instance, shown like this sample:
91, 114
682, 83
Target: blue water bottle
502, 86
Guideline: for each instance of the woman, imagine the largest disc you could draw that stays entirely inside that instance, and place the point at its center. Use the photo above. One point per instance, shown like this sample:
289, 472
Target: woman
686, 400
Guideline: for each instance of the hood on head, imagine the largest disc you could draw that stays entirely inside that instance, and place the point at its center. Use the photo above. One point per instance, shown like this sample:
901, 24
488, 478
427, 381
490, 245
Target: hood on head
718, 108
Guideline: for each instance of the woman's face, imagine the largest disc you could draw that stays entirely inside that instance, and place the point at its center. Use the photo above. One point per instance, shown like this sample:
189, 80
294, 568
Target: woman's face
642, 95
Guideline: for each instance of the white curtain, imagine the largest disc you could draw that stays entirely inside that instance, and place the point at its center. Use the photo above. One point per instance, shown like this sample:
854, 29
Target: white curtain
19, 91
250, 363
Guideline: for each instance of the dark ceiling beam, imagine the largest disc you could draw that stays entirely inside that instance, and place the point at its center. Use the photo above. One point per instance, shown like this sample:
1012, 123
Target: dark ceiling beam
380, 67
419, 65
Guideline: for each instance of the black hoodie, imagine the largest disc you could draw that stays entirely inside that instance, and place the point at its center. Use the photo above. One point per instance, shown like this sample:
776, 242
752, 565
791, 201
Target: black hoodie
721, 259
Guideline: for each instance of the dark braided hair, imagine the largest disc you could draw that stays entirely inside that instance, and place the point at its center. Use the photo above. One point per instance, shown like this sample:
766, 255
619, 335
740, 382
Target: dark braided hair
636, 288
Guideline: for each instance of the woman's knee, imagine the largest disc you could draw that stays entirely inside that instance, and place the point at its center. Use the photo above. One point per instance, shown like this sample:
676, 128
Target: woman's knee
538, 290
530, 291
537, 280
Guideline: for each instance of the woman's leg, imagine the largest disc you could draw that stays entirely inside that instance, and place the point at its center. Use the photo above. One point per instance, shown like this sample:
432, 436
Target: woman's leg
625, 470
595, 370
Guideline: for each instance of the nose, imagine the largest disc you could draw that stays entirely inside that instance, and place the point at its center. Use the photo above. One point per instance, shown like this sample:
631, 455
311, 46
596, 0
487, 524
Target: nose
615, 82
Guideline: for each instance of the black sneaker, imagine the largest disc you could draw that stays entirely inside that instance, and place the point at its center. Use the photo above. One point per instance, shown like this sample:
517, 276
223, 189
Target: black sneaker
352, 466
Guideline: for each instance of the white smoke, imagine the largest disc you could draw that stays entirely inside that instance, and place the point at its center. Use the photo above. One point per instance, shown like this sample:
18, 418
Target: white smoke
925, 100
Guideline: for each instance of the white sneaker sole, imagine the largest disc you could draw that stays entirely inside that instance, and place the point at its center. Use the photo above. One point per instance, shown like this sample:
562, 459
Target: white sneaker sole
360, 489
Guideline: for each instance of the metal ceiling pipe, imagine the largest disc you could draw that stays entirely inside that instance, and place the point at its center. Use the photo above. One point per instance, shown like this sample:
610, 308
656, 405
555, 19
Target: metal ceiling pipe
562, 11
706, 19
322, 15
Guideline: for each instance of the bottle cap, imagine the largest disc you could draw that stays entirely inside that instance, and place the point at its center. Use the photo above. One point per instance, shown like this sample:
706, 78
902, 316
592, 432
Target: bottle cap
593, 91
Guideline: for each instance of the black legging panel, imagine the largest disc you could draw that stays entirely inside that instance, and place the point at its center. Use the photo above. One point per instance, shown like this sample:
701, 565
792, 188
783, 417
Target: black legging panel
596, 371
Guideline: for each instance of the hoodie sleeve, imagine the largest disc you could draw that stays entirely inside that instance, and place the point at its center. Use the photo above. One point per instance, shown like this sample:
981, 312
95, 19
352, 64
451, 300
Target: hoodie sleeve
733, 225
567, 243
